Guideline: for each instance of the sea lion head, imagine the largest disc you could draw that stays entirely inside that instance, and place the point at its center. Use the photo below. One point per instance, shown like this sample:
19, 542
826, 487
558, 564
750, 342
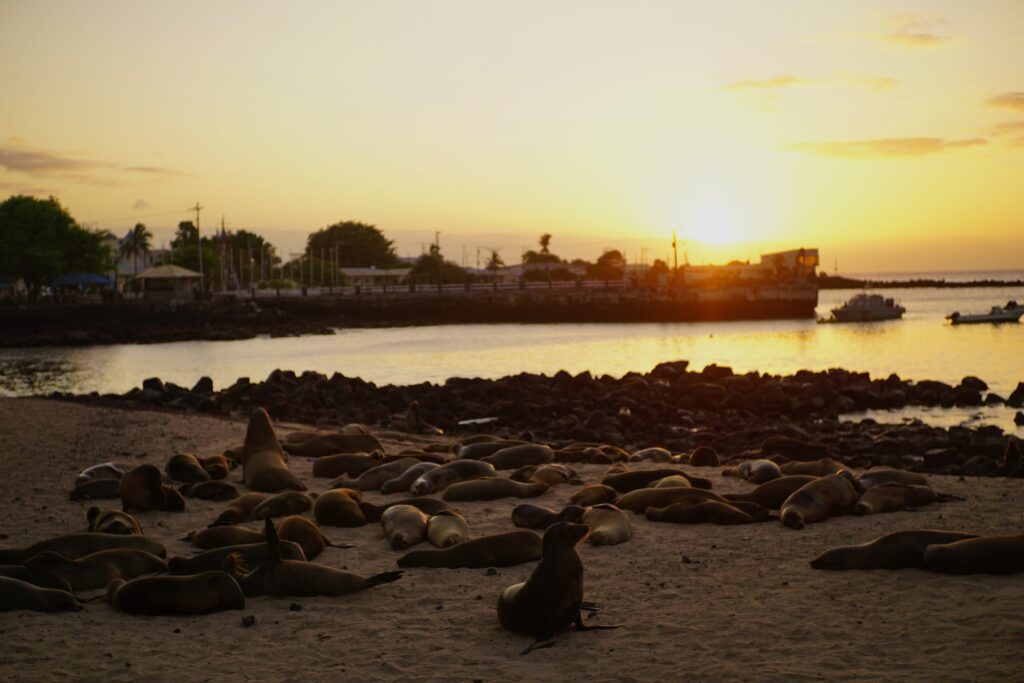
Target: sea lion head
835, 558
857, 485
564, 535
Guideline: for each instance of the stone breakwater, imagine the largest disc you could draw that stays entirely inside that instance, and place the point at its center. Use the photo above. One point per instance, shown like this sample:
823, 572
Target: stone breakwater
740, 416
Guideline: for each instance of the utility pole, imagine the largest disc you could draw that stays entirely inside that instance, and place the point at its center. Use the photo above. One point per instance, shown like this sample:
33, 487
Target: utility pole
437, 251
675, 260
199, 241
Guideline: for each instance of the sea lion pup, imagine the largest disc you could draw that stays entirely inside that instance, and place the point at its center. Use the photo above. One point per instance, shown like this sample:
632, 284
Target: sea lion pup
404, 480
404, 526
217, 466
220, 536
815, 468
449, 473
263, 462
281, 505
111, 521
899, 550
608, 525
483, 449
281, 577
21, 595
142, 489
772, 494
240, 509
195, 594
885, 475
527, 516
373, 478
307, 534
594, 494
674, 480
704, 456
550, 600
245, 554
639, 479
339, 507
654, 454
820, 499
186, 468
210, 490
513, 457
430, 506
491, 488
73, 546
104, 470
498, 550
346, 464
639, 500
41, 579
332, 444
447, 528
707, 512
896, 497
96, 489
97, 569
755, 471
981, 555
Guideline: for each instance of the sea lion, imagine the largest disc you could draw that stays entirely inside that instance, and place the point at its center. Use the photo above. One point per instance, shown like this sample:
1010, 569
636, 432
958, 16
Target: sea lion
885, 475
217, 466
551, 474
104, 470
491, 488
550, 600
899, 550
186, 468
281, 577
416, 424
112, 521
263, 464
247, 554
527, 516
404, 480
430, 506
176, 595
240, 509
73, 546
654, 454
449, 473
704, 456
331, 444
981, 555
512, 457
608, 525
21, 595
639, 500
498, 550
447, 528
373, 478
639, 479
820, 499
220, 536
210, 490
707, 512
97, 569
297, 437
404, 526
755, 471
594, 494
299, 529
772, 494
346, 464
41, 579
142, 489
483, 449
281, 505
339, 507
893, 498
419, 454
674, 480
590, 455
815, 468
97, 489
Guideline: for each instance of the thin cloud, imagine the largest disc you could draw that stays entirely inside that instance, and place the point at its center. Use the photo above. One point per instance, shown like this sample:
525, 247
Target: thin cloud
884, 148
140, 205
1008, 100
916, 30
871, 82
1007, 127
768, 83
38, 163
780, 82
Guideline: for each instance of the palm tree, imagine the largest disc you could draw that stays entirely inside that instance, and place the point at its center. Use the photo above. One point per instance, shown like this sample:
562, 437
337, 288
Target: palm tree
545, 243
495, 262
136, 242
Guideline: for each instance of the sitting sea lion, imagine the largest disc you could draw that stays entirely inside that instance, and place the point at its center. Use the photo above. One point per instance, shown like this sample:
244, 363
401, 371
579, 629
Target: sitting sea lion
550, 600
820, 499
707, 512
173, 595
73, 546
346, 464
498, 550
210, 490
491, 488
263, 461
430, 506
608, 525
899, 550
893, 498
885, 475
639, 500
447, 528
97, 489
527, 516
373, 478
404, 526
186, 468
772, 494
142, 489
519, 455
220, 536
21, 595
339, 507
331, 444
281, 505
240, 509
594, 494
981, 555
97, 569
403, 481
755, 471
704, 456
246, 554
814, 468
458, 470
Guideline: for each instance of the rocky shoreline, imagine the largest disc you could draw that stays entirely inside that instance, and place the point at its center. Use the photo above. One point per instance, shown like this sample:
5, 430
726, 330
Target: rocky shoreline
740, 416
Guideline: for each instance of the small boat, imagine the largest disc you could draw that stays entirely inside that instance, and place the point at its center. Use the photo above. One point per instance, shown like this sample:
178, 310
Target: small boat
1010, 313
866, 308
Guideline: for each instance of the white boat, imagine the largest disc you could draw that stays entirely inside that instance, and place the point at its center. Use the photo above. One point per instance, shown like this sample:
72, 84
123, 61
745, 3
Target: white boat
1010, 313
866, 308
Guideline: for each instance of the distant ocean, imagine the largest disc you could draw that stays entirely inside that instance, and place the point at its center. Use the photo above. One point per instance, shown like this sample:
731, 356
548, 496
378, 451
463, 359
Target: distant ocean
947, 275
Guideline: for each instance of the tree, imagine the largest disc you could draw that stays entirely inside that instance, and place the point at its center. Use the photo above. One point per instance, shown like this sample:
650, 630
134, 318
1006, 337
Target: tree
541, 257
136, 242
545, 242
609, 266
495, 262
39, 240
359, 245
657, 274
431, 265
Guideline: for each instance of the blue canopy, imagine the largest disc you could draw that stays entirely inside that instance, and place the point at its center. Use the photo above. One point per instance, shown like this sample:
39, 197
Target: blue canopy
82, 280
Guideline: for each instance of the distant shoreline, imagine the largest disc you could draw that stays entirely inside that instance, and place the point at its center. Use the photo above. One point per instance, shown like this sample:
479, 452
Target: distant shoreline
840, 282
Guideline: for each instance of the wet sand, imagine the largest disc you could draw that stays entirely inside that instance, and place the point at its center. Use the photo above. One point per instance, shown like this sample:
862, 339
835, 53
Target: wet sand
694, 602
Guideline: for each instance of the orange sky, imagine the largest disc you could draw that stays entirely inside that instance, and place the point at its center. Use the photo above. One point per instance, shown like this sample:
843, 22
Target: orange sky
890, 136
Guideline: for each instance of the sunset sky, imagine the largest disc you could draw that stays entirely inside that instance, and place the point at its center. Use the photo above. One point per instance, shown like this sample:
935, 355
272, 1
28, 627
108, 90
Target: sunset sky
889, 135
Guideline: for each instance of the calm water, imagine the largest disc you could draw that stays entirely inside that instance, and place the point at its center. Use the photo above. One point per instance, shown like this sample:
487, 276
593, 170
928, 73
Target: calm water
921, 346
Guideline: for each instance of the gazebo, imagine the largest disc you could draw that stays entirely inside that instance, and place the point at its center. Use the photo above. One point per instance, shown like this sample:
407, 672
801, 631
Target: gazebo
168, 282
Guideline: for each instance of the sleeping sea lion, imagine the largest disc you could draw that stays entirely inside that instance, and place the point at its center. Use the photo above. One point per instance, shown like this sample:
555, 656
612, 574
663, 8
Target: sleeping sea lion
639, 500
21, 595
483, 449
430, 506
246, 554
458, 470
220, 536
608, 525
105, 470
403, 481
173, 595
707, 512
594, 494
893, 498
373, 478
814, 468
674, 480
339, 507
491, 488
217, 466
281, 505
498, 550
142, 489
263, 464
772, 494
346, 464
97, 489
820, 499
512, 457
704, 456
301, 530
240, 509
41, 579
899, 550
331, 444
210, 490
755, 471
981, 555
97, 569
447, 528
885, 475
654, 454
73, 546
527, 516
404, 526
186, 468
638, 479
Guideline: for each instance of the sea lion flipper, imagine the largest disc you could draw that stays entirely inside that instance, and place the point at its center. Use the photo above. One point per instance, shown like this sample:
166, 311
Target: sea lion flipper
384, 577
539, 644
273, 542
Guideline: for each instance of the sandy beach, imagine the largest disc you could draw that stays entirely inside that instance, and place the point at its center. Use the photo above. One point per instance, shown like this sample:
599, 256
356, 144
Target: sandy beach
694, 602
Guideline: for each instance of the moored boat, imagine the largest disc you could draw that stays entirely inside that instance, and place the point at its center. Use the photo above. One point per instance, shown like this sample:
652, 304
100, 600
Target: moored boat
1010, 313
867, 308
